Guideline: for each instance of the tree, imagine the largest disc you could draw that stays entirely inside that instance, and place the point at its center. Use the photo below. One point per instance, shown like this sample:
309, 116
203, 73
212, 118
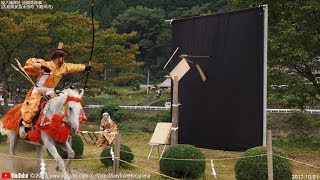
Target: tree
294, 36
153, 35
31, 34
13, 36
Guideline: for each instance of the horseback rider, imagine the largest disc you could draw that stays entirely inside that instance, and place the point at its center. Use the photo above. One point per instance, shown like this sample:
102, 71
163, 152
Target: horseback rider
48, 73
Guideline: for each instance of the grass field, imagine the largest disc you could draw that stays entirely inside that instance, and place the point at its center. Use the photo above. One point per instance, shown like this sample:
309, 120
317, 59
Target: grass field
138, 142
136, 132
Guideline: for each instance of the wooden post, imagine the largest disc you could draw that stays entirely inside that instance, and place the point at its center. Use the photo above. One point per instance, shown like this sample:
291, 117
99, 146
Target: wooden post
117, 143
175, 111
269, 156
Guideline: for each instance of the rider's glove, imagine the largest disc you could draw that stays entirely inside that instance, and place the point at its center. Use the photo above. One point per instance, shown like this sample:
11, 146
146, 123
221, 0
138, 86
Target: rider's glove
46, 69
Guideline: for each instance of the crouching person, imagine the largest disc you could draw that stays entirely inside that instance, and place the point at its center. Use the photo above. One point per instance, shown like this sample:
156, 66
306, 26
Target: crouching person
108, 130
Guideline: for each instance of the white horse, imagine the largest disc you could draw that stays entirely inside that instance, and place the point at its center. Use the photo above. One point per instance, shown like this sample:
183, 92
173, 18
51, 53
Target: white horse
66, 105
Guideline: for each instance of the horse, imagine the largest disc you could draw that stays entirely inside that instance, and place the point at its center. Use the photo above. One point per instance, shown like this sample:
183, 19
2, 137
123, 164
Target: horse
58, 121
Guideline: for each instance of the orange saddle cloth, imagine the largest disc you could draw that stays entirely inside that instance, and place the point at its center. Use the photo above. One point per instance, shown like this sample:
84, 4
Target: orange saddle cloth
12, 119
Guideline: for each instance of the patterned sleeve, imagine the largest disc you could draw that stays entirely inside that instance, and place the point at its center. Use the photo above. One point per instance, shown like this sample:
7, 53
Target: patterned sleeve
29, 66
72, 68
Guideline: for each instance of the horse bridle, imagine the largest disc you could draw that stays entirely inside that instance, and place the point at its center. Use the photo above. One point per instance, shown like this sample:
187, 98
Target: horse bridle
68, 99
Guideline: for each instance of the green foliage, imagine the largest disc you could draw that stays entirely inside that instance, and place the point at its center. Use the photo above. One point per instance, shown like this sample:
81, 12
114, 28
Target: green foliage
77, 146
303, 128
293, 48
153, 35
95, 115
31, 34
106, 11
125, 155
3, 138
183, 168
256, 167
162, 116
115, 111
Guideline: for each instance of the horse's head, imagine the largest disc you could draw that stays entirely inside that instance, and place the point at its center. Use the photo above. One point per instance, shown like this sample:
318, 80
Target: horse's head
72, 108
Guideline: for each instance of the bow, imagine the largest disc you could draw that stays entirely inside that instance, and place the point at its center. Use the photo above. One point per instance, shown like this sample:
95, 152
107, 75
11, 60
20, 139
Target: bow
92, 45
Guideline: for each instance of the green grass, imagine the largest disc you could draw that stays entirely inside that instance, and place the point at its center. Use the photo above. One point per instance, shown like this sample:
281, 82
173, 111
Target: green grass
138, 142
296, 145
126, 96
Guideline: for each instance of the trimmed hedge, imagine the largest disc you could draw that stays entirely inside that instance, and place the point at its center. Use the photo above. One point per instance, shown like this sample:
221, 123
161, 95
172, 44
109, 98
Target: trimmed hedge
3, 138
183, 168
125, 155
77, 146
256, 167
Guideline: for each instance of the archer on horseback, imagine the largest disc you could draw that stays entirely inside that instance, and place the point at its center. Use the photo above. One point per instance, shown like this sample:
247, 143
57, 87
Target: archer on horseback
48, 73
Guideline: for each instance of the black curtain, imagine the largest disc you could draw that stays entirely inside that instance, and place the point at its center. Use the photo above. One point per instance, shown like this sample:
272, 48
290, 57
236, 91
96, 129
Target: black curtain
226, 111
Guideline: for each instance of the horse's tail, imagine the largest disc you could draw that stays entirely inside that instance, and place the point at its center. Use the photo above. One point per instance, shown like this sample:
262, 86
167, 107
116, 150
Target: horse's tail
11, 120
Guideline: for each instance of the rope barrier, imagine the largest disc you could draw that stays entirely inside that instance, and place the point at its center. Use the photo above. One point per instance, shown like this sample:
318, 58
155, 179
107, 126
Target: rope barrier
31, 158
146, 169
176, 159
215, 159
297, 161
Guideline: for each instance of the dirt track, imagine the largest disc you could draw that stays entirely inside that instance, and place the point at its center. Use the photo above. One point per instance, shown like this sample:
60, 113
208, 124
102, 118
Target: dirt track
26, 166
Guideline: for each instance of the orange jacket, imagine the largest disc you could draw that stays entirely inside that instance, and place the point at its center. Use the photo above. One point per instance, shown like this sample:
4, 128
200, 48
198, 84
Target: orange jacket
56, 72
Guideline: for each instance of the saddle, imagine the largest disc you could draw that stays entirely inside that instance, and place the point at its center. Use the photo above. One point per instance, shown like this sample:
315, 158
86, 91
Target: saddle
13, 119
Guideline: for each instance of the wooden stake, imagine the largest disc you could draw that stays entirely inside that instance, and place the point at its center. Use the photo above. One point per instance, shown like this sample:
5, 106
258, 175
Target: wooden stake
269, 156
175, 111
116, 161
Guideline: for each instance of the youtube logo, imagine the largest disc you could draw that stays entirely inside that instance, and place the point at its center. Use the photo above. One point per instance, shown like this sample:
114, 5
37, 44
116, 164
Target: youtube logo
6, 175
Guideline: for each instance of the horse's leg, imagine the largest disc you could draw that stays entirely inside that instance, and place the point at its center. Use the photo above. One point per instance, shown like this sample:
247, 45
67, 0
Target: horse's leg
13, 142
39, 152
49, 143
12, 149
71, 154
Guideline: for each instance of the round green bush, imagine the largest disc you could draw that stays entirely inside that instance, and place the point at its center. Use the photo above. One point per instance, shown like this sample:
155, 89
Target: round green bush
77, 146
3, 138
185, 169
125, 155
256, 167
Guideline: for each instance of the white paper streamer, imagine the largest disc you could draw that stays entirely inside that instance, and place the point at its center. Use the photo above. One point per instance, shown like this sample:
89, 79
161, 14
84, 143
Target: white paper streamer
174, 129
213, 170
112, 154
42, 169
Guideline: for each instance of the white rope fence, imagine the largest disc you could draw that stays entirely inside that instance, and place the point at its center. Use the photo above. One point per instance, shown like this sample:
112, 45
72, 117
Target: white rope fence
175, 159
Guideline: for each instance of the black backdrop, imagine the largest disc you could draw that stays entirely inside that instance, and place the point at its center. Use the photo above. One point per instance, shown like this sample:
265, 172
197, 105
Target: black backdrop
226, 111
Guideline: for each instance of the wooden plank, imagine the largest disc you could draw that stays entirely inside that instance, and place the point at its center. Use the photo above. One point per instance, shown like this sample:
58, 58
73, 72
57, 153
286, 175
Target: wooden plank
161, 134
180, 70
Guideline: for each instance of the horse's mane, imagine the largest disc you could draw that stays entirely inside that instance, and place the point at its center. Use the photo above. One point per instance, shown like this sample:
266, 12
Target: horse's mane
70, 92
